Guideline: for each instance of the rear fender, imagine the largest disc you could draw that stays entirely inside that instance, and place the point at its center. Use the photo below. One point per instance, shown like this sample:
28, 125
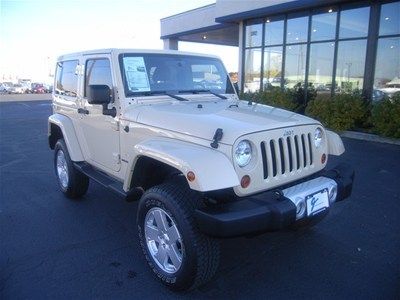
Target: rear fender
69, 135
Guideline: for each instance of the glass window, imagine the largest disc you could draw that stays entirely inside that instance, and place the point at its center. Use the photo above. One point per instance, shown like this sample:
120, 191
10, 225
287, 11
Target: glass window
252, 73
295, 65
390, 19
321, 66
253, 35
297, 30
354, 22
148, 74
350, 65
274, 32
323, 26
387, 70
98, 71
67, 78
272, 67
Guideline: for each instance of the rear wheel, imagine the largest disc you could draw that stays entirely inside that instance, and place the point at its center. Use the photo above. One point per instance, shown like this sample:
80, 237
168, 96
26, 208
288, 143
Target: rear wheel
176, 251
72, 182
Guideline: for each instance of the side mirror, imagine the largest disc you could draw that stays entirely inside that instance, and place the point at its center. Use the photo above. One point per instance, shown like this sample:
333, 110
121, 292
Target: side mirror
99, 94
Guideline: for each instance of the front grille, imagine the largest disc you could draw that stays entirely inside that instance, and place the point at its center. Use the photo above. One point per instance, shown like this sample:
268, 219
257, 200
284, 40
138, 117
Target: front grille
286, 155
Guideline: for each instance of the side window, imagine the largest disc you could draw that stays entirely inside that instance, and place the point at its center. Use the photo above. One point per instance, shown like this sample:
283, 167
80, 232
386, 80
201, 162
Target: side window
98, 71
67, 78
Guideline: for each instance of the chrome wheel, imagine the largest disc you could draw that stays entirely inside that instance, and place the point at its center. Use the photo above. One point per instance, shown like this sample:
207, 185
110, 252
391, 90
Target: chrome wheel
62, 169
163, 240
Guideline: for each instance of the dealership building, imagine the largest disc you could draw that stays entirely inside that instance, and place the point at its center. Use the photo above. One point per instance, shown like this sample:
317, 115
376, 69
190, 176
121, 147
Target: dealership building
335, 46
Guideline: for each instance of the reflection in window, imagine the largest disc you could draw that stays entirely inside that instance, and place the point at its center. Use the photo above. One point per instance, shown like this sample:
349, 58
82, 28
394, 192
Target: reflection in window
67, 78
272, 67
354, 22
98, 71
273, 32
295, 65
350, 65
321, 66
297, 30
323, 26
390, 19
387, 70
252, 70
253, 35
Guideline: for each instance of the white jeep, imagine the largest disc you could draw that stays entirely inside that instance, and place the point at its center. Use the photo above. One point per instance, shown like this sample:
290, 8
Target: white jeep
168, 129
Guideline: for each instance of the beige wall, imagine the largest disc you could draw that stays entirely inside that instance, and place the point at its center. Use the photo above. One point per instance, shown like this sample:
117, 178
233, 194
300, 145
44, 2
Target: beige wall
230, 7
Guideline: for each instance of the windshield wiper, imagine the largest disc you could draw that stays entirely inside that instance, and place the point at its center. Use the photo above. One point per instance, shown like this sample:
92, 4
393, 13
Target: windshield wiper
151, 93
203, 91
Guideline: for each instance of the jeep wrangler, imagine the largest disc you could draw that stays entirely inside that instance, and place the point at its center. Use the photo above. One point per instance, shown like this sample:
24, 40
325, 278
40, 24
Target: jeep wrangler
167, 128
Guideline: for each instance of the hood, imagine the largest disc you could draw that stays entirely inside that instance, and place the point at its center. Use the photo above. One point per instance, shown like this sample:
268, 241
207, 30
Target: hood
202, 119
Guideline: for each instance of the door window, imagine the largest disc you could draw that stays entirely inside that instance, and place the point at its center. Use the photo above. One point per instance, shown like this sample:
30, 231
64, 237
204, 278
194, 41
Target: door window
98, 72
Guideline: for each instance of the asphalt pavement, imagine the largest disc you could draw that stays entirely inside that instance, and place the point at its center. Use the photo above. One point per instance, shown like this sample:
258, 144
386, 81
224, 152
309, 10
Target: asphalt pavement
55, 248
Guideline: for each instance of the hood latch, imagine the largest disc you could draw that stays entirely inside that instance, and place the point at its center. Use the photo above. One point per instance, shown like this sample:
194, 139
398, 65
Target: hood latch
217, 137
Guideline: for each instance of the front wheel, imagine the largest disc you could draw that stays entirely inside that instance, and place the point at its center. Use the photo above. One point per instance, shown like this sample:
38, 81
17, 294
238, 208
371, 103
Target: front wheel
176, 251
72, 182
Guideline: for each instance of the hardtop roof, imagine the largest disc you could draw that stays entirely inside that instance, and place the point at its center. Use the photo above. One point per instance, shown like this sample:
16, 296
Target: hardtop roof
122, 50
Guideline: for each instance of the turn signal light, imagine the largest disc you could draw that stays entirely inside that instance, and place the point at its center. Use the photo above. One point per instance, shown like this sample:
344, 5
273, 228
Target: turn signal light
323, 158
190, 176
245, 182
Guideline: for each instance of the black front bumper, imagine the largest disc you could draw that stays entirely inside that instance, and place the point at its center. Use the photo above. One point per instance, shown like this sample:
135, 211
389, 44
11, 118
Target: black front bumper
267, 211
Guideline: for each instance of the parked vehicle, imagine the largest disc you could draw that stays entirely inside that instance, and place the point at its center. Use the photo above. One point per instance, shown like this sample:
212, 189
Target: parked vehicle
8, 86
3, 88
17, 89
38, 88
202, 163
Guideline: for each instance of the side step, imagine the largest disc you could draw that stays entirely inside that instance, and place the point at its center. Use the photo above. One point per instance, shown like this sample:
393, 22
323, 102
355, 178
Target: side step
100, 177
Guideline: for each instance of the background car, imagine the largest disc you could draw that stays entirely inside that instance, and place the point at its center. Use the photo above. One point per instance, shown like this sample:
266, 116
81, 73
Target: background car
38, 88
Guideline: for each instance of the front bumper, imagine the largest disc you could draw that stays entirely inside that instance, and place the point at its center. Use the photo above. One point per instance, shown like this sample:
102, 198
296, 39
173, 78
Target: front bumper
268, 211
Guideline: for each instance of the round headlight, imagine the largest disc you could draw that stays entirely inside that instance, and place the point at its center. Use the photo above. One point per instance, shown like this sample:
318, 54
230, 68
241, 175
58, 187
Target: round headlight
243, 153
318, 137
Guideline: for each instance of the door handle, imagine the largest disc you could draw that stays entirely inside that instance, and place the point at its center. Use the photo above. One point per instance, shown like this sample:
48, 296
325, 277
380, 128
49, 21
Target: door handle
83, 111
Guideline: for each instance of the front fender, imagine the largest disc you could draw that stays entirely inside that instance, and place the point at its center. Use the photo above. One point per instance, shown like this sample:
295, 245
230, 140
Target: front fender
69, 135
212, 169
335, 143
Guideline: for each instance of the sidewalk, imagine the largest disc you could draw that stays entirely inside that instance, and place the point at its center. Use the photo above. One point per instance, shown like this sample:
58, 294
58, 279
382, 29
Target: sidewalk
24, 97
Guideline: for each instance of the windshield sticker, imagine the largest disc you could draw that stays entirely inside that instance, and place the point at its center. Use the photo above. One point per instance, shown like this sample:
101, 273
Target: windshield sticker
136, 74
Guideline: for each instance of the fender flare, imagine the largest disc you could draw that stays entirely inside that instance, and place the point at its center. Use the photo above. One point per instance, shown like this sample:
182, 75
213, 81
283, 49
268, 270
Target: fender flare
335, 143
69, 135
212, 169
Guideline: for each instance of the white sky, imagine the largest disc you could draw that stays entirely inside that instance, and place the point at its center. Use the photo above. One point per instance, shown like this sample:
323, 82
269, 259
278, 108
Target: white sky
34, 32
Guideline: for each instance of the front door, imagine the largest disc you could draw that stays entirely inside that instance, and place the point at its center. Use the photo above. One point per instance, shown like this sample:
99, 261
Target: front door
100, 132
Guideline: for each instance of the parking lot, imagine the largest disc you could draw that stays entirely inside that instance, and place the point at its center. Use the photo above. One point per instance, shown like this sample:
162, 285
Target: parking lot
55, 248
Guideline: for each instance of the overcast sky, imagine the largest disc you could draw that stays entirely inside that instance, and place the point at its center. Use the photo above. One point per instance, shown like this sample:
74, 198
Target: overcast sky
34, 32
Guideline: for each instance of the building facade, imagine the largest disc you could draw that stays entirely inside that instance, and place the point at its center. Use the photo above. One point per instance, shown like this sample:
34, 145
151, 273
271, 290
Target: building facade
331, 46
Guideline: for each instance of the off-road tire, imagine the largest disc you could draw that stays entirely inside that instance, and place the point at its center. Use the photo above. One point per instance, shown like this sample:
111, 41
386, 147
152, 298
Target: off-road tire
201, 253
78, 182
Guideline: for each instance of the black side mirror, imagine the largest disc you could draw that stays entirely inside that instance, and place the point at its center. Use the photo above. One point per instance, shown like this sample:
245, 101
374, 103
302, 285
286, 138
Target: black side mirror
99, 94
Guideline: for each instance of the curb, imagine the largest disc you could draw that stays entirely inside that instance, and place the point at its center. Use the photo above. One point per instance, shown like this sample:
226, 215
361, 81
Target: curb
369, 137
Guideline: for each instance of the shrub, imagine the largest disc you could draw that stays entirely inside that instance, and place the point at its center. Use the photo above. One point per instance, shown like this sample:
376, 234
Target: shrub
342, 112
273, 97
386, 117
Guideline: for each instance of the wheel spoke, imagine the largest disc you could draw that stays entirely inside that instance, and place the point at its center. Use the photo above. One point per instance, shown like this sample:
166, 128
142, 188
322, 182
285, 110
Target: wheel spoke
152, 232
173, 254
160, 220
173, 234
161, 255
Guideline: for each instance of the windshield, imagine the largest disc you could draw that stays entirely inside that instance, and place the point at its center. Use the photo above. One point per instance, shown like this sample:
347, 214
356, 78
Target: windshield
147, 74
